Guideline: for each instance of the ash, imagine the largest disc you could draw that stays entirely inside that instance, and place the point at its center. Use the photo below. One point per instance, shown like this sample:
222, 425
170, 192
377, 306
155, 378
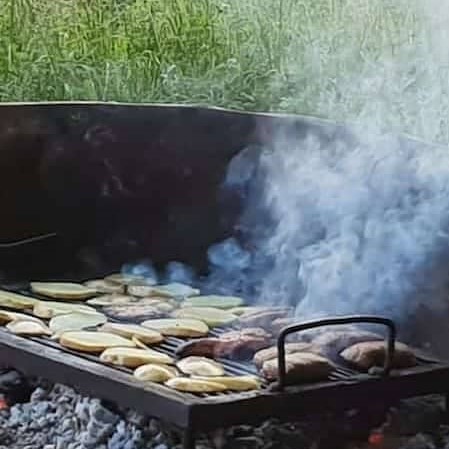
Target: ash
56, 417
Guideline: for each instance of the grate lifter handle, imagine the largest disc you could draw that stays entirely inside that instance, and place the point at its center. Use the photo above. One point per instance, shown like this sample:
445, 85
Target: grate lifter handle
351, 319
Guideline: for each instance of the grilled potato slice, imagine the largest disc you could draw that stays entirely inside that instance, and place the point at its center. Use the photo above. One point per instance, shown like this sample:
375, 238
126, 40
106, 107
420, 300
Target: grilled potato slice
75, 321
134, 357
7, 316
235, 383
111, 300
155, 373
16, 301
63, 290
200, 366
215, 301
140, 290
189, 385
178, 327
31, 328
49, 309
144, 335
102, 286
175, 290
246, 309
91, 341
212, 317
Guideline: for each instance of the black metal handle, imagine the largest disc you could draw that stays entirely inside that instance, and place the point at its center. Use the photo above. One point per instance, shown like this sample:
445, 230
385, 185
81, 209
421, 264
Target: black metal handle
371, 319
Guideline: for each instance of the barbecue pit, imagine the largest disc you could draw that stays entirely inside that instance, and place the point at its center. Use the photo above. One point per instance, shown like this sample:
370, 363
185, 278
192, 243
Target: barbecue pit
72, 182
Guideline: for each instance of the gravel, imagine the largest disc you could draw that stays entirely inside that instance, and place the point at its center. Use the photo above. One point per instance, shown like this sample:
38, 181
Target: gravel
56, 417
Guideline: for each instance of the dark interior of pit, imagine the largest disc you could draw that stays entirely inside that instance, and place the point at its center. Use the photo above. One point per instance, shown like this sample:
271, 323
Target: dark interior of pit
117, 183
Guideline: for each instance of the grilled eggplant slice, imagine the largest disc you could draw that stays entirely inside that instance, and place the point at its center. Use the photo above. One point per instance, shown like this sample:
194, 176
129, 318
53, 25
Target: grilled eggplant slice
75, 321
16, 301
102, 286
31, 328
200, 366
111, 300
134, 357
215, 301
152, 372
144, 335
235, 383
127, 279
91, 341
189, 385
175, 290
178, 327
212, 317
63, 290
369, 354
300, 367
7, 316
49, 309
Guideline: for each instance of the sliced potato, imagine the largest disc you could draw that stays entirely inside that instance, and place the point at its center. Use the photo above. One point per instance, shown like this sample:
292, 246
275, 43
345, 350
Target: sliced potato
127, 279
111, 299
144, 335
91, 341
16, 301
28, 328
236, 383
63, 290
140, 290
189, 385
75, 321
178, 327
49, 309
134, 357
7, 316
102, 286
216, 301
200, 366
209, 315
246, 309
175, 290
155, 373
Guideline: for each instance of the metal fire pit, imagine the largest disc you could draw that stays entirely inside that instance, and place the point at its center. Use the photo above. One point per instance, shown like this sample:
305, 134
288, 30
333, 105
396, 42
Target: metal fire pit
87, 187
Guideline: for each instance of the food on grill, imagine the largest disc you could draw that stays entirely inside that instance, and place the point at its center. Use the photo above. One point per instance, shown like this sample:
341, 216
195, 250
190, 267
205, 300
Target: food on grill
200, 366
218, 302
212, 317
263, 318
102, 286
189, 385
75, 321
278, 324
49, 309
144, 335
239, 345
333, 342
111, 299
133, 312
155, 373
91, 341
126, 279
299, 367
246, 309
175, 290
235, 383
369, 354
178, 327
28, 328
7, 316
63, 290
134, 357
16, 301
271, 353
139, 290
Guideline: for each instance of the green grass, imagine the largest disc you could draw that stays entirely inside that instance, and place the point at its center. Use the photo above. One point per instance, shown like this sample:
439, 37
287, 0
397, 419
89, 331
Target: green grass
343, 59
